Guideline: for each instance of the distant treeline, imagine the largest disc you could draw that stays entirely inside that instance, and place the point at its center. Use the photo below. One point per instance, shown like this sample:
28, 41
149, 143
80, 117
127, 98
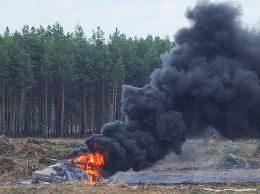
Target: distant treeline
54, 84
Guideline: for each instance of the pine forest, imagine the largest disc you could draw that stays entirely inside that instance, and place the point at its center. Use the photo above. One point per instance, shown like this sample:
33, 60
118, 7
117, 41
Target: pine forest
57, 84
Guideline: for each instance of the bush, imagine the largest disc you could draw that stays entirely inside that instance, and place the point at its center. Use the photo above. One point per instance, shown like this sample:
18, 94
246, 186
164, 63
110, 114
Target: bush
6, 146
6, 165
256, 152
226, 162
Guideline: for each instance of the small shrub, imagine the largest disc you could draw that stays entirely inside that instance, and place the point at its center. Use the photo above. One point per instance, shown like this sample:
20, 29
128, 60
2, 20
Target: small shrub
256, 152
6, 146
253, 163
6, 165
226, 162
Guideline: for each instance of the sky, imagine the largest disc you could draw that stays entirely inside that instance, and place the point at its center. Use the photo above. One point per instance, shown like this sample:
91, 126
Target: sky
131, 17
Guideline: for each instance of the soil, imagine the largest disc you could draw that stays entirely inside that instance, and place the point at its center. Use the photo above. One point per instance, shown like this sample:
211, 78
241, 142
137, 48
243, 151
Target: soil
205, 166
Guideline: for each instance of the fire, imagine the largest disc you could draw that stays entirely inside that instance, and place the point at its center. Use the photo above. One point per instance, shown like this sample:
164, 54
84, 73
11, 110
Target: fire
91, 163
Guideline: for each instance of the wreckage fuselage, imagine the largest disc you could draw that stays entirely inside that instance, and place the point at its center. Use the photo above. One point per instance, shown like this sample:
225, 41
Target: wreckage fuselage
59, 173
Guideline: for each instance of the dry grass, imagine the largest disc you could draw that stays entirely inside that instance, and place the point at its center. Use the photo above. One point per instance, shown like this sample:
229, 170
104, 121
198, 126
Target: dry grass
20, 157
107, 188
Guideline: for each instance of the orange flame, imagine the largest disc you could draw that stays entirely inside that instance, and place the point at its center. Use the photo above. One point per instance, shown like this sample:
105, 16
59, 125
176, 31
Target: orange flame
91, 163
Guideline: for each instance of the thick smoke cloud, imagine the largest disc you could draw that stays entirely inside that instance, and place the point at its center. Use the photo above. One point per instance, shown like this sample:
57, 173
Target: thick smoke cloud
211, 79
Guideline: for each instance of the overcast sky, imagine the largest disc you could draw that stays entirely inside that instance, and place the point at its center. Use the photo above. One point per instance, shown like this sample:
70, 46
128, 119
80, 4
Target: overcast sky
132, 17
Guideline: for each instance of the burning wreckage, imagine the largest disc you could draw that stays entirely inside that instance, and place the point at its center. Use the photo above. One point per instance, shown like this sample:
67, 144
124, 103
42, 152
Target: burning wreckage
59, 173
84, 168
211, 79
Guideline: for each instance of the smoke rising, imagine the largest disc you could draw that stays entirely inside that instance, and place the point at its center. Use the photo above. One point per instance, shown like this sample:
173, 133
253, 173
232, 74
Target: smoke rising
211, 79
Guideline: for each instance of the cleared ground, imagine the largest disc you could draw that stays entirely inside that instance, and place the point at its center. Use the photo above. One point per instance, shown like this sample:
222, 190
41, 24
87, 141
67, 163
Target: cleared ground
19, 158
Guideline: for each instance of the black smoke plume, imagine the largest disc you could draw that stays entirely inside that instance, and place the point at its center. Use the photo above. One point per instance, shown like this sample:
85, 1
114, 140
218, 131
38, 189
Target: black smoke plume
211, 79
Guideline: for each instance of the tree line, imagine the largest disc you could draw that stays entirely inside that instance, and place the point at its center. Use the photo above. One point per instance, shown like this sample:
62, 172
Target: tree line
56, 84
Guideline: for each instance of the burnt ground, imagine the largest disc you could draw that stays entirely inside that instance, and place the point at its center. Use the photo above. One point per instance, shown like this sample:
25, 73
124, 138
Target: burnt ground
202, 161
206, 166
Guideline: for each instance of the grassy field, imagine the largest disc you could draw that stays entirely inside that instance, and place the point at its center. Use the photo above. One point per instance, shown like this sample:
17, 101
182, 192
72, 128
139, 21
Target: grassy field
102, 188
19, 158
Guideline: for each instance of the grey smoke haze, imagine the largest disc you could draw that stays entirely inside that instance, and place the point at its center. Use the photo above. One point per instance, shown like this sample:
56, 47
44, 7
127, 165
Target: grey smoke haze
211, 79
